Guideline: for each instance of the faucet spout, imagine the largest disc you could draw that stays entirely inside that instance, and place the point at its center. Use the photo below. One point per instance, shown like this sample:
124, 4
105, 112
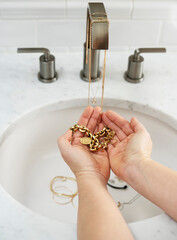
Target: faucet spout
97, 38
97, 26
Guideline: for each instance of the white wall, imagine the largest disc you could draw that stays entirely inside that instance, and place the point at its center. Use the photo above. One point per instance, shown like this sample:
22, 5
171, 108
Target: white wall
61, 24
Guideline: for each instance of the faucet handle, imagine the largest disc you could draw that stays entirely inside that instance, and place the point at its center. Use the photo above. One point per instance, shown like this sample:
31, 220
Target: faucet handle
35, 50
47, 72
134, 74
147, 50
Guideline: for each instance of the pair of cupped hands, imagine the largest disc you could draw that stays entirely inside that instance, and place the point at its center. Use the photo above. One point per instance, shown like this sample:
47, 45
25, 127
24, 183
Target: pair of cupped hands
131, 144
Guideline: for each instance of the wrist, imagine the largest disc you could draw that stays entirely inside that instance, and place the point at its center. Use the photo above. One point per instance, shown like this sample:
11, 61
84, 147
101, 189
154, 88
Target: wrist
90, 178
134, 168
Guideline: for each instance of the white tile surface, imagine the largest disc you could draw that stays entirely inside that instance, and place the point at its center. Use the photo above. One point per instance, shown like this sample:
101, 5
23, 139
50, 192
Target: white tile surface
120, 9
17, 33
61, 33
133, 32
71, 33
3, 50
122, 33
155, 9
172, 49
33, 10
62, 23
77, 9
169, 33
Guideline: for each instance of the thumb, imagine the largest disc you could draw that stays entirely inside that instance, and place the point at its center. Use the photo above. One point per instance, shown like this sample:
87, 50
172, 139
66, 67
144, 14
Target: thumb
136, 125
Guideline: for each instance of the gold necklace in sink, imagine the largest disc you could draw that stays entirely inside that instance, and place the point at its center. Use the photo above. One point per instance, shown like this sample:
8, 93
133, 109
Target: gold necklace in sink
61, 194
121, 205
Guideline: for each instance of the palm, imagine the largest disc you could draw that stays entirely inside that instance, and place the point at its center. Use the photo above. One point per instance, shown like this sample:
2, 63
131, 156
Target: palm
131, 141
96, 161
121, 153
121, 144
79, 158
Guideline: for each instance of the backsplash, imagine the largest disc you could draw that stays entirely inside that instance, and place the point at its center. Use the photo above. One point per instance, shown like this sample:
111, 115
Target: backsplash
60, 25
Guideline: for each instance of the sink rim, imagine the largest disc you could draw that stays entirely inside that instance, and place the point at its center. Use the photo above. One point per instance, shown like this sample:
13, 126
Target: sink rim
82, 102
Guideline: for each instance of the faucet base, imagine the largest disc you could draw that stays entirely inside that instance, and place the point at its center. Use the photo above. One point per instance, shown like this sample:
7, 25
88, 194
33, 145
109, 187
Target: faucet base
131, 80
50, 80
86, 79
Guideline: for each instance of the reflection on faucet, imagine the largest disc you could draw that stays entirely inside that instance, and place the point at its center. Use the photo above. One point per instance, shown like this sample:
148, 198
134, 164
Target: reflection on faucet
97, 26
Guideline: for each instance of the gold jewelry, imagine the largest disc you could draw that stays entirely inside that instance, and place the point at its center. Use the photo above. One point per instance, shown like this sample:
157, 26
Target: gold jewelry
93, 139
104, 70
94, 89
121, 205
63, 179
61, 203
88, 47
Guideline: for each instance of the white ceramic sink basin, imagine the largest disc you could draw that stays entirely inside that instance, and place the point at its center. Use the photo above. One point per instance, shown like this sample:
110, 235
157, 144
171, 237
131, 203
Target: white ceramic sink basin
29, 158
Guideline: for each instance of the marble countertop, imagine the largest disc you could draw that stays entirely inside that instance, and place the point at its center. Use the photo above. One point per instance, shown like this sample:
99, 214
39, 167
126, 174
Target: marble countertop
20, 92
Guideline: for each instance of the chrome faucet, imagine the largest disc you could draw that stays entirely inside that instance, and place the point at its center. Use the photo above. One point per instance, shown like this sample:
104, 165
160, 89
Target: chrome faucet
47, 73
97, 36
134, 73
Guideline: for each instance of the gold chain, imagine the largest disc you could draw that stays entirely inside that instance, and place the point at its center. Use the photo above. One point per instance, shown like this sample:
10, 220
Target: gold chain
90, 60
104, 70
93, 140
63, 179
58, 194
89, 48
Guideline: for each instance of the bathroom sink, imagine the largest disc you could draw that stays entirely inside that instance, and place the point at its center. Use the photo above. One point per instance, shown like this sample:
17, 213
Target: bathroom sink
29, 157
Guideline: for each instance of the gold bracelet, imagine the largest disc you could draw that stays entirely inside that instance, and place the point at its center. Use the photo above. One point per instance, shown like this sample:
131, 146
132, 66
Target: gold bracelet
93, 140
62, 203
62, 194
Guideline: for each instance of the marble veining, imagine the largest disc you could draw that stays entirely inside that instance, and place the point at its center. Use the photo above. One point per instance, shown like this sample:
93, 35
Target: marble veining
20, 92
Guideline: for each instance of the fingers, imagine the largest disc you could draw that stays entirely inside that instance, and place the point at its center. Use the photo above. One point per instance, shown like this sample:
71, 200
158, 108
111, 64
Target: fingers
136, 125
99, 128
115, 141
67, 135
98, 122
120, 134
85, 116
93, 121
121, 122
110, 147
64, 143
84, 119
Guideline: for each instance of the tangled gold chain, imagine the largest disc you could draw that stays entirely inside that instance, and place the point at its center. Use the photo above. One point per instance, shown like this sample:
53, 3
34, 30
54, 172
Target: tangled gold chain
93, 140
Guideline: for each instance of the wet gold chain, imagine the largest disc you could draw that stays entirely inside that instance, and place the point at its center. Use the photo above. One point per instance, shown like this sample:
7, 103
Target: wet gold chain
93, 140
